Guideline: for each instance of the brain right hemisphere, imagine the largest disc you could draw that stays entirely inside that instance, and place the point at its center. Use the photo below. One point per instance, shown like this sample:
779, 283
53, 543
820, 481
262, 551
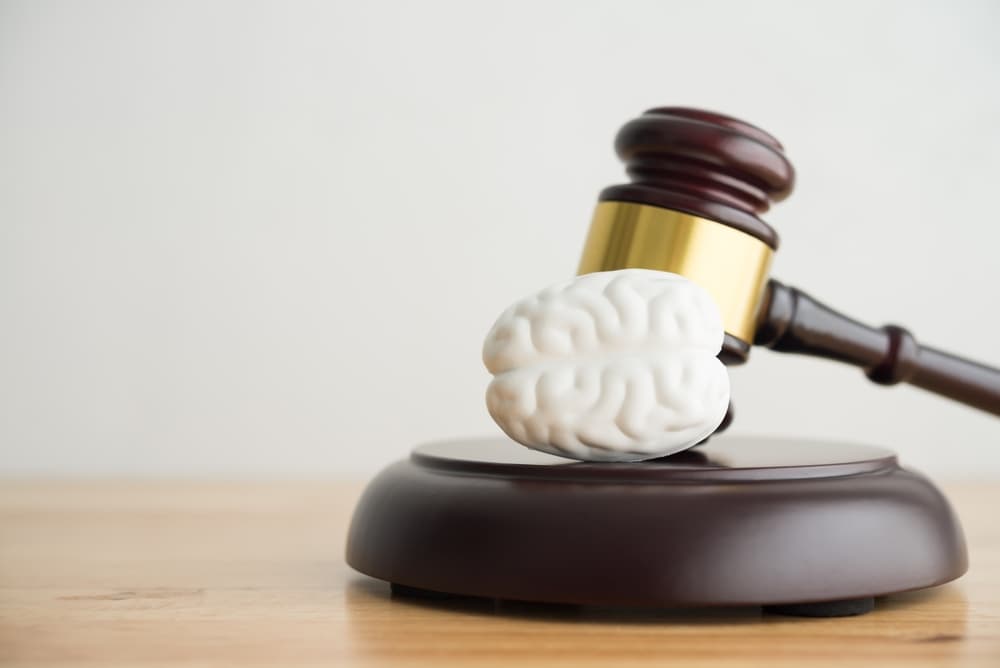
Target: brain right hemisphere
611, 366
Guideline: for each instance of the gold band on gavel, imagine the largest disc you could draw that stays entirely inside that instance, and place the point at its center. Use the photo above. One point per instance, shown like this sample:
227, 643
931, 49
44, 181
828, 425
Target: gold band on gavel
731, 265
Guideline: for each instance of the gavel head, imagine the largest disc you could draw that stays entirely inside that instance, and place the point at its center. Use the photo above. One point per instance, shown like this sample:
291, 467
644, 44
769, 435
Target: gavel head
699, 181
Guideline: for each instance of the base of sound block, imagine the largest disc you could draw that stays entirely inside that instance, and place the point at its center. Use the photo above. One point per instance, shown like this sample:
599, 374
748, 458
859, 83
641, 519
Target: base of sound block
848, 608
798, 527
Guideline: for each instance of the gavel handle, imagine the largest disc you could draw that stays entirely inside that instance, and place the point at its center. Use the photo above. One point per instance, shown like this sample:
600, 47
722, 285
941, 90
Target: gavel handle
791, 321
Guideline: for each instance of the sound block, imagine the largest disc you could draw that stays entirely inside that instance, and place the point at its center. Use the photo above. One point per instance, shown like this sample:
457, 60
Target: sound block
801, 527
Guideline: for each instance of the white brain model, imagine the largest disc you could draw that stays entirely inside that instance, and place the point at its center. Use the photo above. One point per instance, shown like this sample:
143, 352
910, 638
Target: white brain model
610, 366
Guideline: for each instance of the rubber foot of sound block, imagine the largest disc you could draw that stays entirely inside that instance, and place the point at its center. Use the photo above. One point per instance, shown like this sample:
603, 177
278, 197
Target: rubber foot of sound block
847, 608
415, 592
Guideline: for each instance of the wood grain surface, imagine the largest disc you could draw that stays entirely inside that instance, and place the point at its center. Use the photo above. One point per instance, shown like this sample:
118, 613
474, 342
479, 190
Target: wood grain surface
252, 574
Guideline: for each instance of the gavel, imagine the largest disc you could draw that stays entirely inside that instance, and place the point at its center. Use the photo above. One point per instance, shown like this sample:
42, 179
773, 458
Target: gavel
698, 184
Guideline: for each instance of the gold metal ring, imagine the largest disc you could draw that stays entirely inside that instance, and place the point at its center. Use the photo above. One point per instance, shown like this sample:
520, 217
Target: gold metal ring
731, 265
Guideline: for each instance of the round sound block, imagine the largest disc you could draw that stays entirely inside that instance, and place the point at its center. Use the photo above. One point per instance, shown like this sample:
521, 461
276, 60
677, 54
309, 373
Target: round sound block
807, 528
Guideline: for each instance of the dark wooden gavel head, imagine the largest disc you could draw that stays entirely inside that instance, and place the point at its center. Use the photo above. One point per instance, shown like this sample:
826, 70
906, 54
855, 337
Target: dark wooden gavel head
699, 182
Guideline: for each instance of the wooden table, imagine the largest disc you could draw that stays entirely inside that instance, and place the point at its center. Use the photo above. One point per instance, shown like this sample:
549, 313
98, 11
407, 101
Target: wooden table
170, 574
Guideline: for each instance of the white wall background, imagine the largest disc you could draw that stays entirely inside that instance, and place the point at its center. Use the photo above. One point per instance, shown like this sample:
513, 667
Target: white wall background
266, 238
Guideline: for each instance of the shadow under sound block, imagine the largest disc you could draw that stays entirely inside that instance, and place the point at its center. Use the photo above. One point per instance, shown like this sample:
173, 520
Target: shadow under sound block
800, 527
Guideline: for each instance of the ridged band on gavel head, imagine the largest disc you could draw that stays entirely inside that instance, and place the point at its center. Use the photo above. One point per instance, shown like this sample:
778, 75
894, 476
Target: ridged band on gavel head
698, 182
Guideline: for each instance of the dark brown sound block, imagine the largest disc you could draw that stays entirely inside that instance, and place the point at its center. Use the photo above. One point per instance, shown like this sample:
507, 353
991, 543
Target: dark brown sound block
802, 527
